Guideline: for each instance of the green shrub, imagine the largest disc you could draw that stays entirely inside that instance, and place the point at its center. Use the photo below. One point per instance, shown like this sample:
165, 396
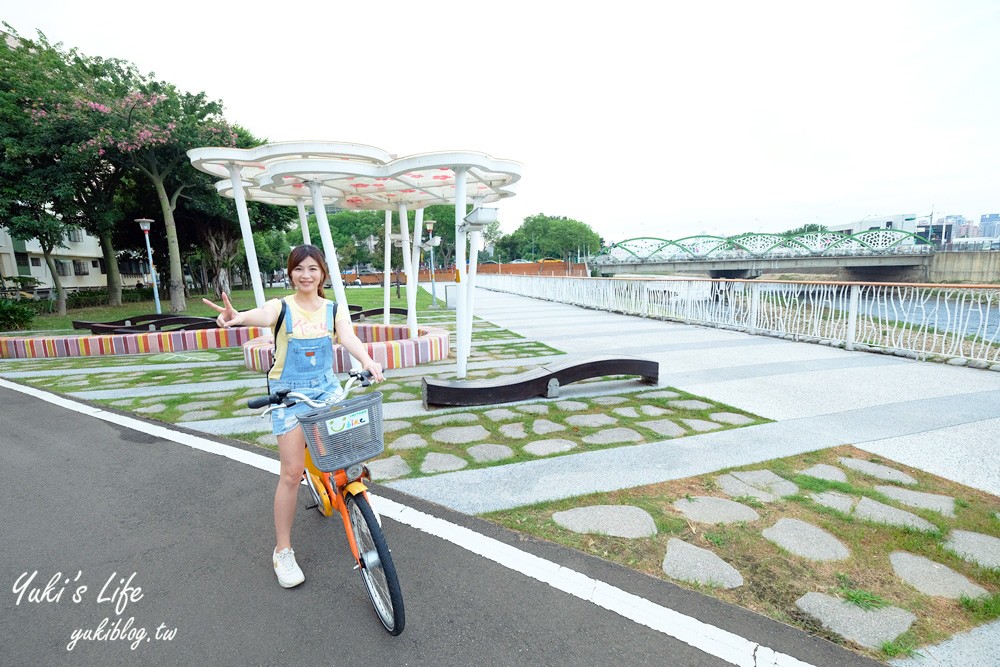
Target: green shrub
15, 316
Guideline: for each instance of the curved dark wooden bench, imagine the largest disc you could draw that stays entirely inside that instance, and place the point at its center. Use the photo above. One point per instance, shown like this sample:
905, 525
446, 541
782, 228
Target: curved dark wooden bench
175, 323
362, 315
541, 381
127, 322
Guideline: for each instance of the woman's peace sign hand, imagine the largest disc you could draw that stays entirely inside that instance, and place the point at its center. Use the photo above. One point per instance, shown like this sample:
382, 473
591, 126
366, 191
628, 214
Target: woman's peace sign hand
228, 316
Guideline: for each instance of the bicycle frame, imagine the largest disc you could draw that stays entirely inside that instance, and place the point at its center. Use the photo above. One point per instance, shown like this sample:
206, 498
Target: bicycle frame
332, 483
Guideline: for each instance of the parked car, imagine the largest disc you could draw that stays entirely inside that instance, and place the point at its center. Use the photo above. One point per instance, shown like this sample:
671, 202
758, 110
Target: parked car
520, 261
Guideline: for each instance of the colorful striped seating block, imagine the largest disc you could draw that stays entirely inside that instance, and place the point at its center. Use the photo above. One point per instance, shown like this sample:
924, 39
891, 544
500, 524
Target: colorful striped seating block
17, 347
387, 345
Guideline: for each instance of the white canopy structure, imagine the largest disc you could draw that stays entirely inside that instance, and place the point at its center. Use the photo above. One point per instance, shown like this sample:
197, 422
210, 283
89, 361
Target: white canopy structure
360, 177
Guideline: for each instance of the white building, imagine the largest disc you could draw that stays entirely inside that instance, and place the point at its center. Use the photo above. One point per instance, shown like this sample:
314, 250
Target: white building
906, 222
80, 264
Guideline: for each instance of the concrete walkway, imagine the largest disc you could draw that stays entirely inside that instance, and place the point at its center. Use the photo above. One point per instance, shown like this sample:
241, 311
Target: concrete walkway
818, 396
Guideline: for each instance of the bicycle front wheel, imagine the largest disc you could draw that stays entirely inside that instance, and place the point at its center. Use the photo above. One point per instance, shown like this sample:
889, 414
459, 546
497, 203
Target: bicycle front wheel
377, 569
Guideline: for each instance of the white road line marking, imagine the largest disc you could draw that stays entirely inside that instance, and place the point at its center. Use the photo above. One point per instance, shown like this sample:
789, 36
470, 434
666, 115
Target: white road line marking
705, 637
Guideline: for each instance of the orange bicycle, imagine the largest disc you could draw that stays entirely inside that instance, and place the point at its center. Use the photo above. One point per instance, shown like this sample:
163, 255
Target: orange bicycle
341, 435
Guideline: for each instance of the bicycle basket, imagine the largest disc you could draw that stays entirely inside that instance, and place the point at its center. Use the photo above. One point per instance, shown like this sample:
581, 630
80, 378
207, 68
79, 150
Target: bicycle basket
345, 433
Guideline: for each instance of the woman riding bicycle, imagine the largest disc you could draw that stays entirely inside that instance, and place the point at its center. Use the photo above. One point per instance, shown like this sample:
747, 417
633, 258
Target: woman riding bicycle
303, 362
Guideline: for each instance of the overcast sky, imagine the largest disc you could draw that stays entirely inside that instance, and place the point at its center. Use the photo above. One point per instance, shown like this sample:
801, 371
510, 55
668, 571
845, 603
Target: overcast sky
639, 118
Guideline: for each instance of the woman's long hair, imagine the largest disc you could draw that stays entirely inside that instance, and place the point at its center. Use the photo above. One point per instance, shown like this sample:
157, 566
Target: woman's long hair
300, 254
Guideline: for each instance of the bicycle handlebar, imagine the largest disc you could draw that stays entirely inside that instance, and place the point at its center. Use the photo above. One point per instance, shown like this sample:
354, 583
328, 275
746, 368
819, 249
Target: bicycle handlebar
274, 398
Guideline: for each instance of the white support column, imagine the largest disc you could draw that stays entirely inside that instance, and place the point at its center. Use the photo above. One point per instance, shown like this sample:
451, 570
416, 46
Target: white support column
470, 295
461, 352
241, 211
303, 221
328, 248
411, 294
404, 232
387, 267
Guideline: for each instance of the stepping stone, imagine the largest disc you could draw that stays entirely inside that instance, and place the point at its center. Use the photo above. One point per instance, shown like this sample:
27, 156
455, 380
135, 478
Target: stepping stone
626, 412
571, 406
827, 472
731, 418
268, 439
707, 509
735, 488
389, 468
152, 409
501, 414
877, 470
870, 628
591, 420
546, 447
664, 427
701, 425
688, 404
687, 562
399, 396
654, 411
198, 405
767, 481
387, 386
435, 462
543, 426
487, 453
876, 512
246, 412
157, 399
535, 409
197, 415
609, 400
806, 540
928, 501
932, 578
456, 418
408, 441
975, 547
613, 520
513, 431
660, 394
838, 501
460, 435
613, 436
395, 425
124, 401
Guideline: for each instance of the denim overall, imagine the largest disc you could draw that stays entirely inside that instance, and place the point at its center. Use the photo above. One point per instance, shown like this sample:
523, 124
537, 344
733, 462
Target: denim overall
308, 369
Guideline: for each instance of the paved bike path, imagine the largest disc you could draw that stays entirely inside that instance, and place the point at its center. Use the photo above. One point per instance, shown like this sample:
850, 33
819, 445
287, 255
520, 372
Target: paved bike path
107, 500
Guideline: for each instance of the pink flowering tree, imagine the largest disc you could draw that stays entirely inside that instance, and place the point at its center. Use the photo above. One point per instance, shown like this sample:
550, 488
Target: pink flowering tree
150, 128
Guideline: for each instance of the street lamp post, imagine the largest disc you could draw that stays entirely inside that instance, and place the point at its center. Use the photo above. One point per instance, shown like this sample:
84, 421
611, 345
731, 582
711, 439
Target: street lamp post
430, 234
144, 224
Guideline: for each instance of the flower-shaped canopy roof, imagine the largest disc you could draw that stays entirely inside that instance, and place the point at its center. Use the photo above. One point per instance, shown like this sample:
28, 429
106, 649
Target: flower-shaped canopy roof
355, 176
254, 161
416, 181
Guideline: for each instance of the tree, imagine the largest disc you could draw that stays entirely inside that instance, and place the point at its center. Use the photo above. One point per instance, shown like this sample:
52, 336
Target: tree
811, 227
543, 236
150, 128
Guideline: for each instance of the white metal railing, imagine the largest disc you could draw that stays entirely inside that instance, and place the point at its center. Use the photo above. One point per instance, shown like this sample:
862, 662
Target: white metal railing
915, 320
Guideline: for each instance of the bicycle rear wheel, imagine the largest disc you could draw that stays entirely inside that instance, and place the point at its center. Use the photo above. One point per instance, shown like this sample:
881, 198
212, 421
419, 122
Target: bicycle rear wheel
377, 570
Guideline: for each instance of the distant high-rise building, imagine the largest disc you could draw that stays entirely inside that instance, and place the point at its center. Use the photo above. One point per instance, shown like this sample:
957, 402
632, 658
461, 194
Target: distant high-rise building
989, 224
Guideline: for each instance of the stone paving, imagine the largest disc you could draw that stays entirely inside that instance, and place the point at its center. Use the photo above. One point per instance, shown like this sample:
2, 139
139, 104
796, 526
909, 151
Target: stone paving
870, 628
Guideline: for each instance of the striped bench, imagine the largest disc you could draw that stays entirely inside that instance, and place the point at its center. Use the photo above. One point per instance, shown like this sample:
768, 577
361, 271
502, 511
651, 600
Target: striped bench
387, 344
20, 347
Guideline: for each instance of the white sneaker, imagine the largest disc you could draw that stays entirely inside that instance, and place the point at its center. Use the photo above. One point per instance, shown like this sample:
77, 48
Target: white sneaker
288, 571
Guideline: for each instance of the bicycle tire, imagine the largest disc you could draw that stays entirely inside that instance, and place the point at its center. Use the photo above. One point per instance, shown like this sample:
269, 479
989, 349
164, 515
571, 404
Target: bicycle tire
377, 570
